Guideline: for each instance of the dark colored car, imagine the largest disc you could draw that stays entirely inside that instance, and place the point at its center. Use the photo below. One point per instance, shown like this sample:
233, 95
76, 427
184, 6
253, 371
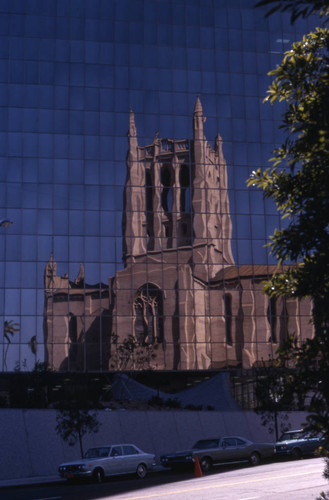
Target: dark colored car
219, 450
297, 443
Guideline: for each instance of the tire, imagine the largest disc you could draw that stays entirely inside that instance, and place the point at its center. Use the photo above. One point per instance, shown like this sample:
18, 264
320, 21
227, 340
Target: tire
98, 475
254, 458
296, 454
141, 471
205, 464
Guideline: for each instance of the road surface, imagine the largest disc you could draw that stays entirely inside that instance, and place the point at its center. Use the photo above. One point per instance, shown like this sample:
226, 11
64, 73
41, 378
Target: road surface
284, 480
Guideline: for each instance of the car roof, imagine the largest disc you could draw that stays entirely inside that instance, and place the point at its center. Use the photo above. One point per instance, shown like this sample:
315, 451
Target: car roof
223, 437
110, 445
236, 437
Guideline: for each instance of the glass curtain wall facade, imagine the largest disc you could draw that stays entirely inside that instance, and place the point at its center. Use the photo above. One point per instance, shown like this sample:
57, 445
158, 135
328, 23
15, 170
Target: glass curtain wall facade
128, 129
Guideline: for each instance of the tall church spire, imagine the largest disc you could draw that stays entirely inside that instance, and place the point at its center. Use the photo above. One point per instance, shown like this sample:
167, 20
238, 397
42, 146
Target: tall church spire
198, 106
134, 212
50, 272
176, 197
132, 136
198, 120
132, 126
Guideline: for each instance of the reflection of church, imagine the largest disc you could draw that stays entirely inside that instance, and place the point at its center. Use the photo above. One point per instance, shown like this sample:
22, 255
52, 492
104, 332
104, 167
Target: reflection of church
180, 298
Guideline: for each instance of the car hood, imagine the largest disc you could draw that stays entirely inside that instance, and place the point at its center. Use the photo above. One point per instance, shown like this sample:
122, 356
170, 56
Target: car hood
81, 461
290, 441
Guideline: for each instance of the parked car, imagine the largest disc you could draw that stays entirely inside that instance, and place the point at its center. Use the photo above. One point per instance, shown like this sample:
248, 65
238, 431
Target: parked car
219, 450
109, 460
297, 443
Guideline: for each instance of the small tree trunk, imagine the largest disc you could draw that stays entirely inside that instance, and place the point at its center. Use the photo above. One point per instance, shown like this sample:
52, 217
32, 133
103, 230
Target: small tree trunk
276, 425
80, 442
5, 358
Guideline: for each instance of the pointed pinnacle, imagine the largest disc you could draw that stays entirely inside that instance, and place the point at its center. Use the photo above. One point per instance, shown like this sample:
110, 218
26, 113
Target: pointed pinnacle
132, 126
198, 106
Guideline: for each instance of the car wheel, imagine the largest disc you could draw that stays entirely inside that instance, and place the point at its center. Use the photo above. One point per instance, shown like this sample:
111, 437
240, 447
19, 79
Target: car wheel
205, 464
98, 476
296, 454
141, 471
254, 458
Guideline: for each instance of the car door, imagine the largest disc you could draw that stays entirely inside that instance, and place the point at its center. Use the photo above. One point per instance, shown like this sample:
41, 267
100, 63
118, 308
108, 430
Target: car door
113, 464
309, 444
228, 450
243, 449
131, 456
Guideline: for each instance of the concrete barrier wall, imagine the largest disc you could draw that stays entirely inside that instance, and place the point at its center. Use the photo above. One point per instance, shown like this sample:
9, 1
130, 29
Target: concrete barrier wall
30, 446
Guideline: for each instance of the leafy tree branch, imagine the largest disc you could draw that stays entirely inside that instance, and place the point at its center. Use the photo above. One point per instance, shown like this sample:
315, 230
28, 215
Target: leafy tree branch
298, 182
297, 8
73, 423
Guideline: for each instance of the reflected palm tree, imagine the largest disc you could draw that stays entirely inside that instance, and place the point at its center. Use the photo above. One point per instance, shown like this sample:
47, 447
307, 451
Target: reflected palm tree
33, 344
9, 329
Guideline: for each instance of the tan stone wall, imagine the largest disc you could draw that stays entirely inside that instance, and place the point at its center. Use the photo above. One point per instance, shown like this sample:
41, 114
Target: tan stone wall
183, 287
91, 330
194, 323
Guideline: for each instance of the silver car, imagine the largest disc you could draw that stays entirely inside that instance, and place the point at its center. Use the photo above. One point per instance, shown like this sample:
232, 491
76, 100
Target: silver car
220, 450
109, 460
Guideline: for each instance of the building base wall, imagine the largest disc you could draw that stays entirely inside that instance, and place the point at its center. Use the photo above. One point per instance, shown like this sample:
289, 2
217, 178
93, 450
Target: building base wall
31, 446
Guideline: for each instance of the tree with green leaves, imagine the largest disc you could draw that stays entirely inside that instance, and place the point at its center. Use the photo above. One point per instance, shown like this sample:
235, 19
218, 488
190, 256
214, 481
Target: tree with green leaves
274, 397
298, 182
73, 423
297, 8
131, 354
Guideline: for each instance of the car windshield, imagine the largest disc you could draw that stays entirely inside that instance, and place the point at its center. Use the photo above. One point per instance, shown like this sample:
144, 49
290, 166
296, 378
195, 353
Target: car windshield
205, 444
287, 436
97, 452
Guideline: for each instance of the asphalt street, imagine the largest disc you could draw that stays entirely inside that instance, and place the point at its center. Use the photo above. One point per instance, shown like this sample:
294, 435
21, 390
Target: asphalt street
295, 480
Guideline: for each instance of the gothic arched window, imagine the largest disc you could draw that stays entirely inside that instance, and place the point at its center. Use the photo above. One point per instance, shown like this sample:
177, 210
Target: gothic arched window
271, 317
167, 182
185, 184
148, 310
284, 320
228, 317
73, 340
149, 211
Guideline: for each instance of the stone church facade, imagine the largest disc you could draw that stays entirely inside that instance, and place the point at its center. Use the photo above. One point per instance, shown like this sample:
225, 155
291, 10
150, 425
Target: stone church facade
180, 303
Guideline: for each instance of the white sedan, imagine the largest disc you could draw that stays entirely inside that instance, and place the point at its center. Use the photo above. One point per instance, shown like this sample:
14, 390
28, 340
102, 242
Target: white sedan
109, 460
